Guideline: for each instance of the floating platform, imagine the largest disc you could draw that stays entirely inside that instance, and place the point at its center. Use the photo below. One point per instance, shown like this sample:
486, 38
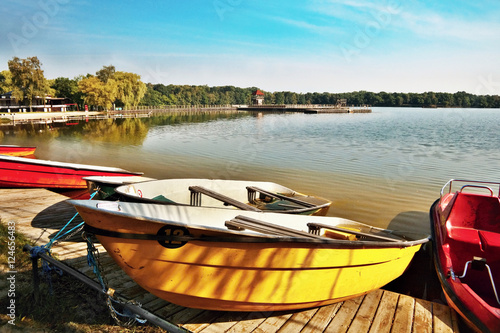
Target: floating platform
39, 214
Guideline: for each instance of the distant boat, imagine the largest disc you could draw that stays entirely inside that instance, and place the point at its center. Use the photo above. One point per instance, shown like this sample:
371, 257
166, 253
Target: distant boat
245, 195
106, 185
229, 260
14, 150
466, 234
26, 172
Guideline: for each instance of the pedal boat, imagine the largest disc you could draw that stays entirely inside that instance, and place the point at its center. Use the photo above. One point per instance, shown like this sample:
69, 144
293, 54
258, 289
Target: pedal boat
465, 224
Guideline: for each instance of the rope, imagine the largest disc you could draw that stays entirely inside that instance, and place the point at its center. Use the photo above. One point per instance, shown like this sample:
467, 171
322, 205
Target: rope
94, 262
35, 252
59, 237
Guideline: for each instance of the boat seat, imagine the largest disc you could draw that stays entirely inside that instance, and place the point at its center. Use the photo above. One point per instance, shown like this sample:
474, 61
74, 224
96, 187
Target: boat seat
196, 192
476, 211
472, 242
243, 222
485, 239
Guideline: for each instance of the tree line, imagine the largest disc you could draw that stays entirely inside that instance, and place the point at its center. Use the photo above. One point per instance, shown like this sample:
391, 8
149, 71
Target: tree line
107, 89
110, 88
159, 94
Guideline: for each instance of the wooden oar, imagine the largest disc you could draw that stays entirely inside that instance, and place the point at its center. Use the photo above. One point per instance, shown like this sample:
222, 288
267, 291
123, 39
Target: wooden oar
243, 222
280, 196
318, 226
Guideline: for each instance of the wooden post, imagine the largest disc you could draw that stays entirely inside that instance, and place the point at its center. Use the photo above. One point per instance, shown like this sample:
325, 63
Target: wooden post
36, 279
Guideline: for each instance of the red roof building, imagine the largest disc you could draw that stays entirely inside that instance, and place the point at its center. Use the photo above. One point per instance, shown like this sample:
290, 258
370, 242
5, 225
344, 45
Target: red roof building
257, 97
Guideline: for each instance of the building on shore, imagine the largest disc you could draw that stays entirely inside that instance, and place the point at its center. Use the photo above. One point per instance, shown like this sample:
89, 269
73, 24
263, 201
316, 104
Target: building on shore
257, 97
47, 104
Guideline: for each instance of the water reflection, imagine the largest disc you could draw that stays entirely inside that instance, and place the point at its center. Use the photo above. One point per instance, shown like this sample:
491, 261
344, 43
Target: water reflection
131, 131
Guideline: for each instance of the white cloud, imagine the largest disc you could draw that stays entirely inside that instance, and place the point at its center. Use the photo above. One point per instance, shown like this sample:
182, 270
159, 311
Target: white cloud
434, 25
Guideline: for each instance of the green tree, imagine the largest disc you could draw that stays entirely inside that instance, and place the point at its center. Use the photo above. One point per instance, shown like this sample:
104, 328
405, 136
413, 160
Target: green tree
110, 87
5, 82
280, 98
129, 87
106, 73
28, 80
68, 88
98, 93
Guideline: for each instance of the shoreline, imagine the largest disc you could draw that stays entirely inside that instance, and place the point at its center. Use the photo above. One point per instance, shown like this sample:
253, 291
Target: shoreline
44, 115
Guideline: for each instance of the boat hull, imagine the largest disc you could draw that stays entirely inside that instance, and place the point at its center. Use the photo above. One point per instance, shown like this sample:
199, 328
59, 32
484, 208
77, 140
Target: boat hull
12, 150
466, 227
25, 172
214, 271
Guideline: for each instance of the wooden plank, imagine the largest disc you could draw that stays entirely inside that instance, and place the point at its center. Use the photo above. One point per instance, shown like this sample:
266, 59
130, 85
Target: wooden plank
298, 320
322, 318
422, 319
441, 320
247, 325
225, 322
454, 320
168, 310
223, 198
343, 318
385, 313
144, 297
156, 304
184, 316
366, 313
202, 321
273, 323
403, 319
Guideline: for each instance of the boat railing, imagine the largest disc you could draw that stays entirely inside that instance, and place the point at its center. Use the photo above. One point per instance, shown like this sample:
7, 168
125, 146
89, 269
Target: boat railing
479, 264
471, 184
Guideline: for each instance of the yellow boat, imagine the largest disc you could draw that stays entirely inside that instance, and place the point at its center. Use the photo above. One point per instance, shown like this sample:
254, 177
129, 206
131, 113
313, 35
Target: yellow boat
220, 259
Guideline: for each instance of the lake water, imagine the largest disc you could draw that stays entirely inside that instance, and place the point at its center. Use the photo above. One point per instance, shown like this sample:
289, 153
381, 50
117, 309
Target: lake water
384, 168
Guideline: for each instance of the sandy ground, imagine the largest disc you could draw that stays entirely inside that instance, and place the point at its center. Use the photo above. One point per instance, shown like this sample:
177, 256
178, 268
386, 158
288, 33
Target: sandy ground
39, 115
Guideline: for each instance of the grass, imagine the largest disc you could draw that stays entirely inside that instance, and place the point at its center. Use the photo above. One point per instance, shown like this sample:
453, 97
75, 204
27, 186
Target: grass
69, 306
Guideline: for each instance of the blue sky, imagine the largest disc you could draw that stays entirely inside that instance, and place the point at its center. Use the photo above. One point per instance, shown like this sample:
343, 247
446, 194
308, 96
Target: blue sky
301, 46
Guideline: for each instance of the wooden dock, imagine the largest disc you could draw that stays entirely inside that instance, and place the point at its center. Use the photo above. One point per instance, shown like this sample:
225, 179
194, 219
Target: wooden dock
306, 109
39, 213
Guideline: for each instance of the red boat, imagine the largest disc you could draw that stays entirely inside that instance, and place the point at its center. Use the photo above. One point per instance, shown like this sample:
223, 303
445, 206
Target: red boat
26, 172
13, 150
466, 234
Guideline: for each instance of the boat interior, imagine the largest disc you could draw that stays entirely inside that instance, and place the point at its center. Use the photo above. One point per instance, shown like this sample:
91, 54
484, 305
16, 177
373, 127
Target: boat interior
473, 232
243, 196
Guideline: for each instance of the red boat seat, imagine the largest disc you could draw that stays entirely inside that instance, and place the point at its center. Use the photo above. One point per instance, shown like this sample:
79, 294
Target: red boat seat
486, 241
476, 211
